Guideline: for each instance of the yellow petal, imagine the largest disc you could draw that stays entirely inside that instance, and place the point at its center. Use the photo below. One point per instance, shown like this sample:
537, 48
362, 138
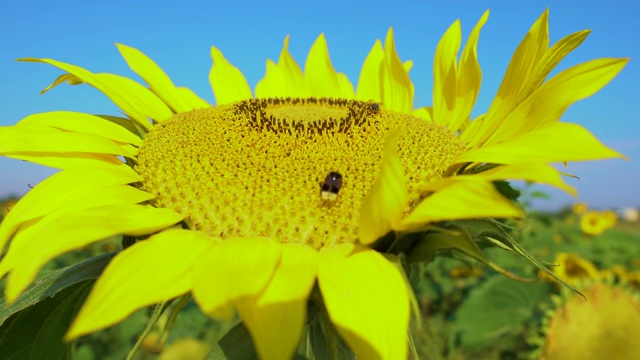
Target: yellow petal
294, 277
178, 99
462, 200
234, 269
69, 160
273, 84
534, 172
68, 78
369, 82
469, 78
292, 71
425, 113
549, 102
148, 272
227, 82
408, 65
83, 123
551, 59
385, 203
345, 86
556, 142
397, 88
126, 123
276, 317
517, 79
62, 189
445, 74
322, 79
473, 129
140, 100
72, 230
26, 139
524, 60
134, 99
366, 298
284, 79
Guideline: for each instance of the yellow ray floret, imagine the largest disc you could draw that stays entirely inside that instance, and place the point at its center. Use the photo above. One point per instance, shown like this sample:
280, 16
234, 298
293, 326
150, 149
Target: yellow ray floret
141, 276
277, 316
366, 299
179, 99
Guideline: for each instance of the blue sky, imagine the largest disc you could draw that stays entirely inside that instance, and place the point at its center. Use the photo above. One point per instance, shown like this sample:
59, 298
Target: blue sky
178, 35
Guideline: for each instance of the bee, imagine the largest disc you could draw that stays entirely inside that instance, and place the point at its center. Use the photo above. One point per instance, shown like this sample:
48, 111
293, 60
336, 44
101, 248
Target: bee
331, 185
374, 107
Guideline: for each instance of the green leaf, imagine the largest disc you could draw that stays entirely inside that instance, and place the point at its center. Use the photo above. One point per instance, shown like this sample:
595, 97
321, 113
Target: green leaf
431, 244
497, 311
313, 344
235, 344
56, 281
37, 331
507, 190
320, 341
540, 195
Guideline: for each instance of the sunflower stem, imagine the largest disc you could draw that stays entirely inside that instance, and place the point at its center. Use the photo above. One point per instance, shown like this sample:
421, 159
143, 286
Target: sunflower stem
158, 310
172, 317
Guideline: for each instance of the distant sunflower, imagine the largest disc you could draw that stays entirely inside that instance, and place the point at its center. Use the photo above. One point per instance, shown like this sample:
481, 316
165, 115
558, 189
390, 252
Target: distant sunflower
579, 208
256, 203
604, 326
573, 269
593, 222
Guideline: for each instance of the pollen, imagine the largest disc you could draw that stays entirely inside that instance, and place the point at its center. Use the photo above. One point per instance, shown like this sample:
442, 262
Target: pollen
256, 168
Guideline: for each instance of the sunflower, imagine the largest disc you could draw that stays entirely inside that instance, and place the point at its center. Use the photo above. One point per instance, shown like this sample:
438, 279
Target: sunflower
579, 208
309, 191
594, 222
573, 269
601, 327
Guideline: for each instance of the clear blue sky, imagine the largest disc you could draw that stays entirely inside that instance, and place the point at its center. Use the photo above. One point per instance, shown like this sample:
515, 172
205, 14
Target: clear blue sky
177, 35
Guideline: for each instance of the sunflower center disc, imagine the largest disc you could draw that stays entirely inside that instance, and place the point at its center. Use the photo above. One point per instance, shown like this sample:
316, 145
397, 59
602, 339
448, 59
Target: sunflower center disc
261, 167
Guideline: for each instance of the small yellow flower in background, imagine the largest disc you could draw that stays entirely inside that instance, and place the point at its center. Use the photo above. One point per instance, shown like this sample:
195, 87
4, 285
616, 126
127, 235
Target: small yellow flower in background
610, 217
572, 268
261, 203
185, 349
633, 279
595, 222
617, 271
579, 208
624, 275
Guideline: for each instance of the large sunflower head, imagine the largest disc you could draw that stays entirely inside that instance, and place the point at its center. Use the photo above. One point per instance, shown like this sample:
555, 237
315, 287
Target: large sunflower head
296, 170
304, 189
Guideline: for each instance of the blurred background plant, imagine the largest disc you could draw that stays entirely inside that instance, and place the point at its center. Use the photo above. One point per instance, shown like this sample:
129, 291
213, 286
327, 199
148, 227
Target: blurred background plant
467, 310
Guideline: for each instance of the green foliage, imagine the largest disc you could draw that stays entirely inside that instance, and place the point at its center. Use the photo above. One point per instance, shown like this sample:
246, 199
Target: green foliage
37, 331
508, 191
235, 344
497, 311
51, 282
